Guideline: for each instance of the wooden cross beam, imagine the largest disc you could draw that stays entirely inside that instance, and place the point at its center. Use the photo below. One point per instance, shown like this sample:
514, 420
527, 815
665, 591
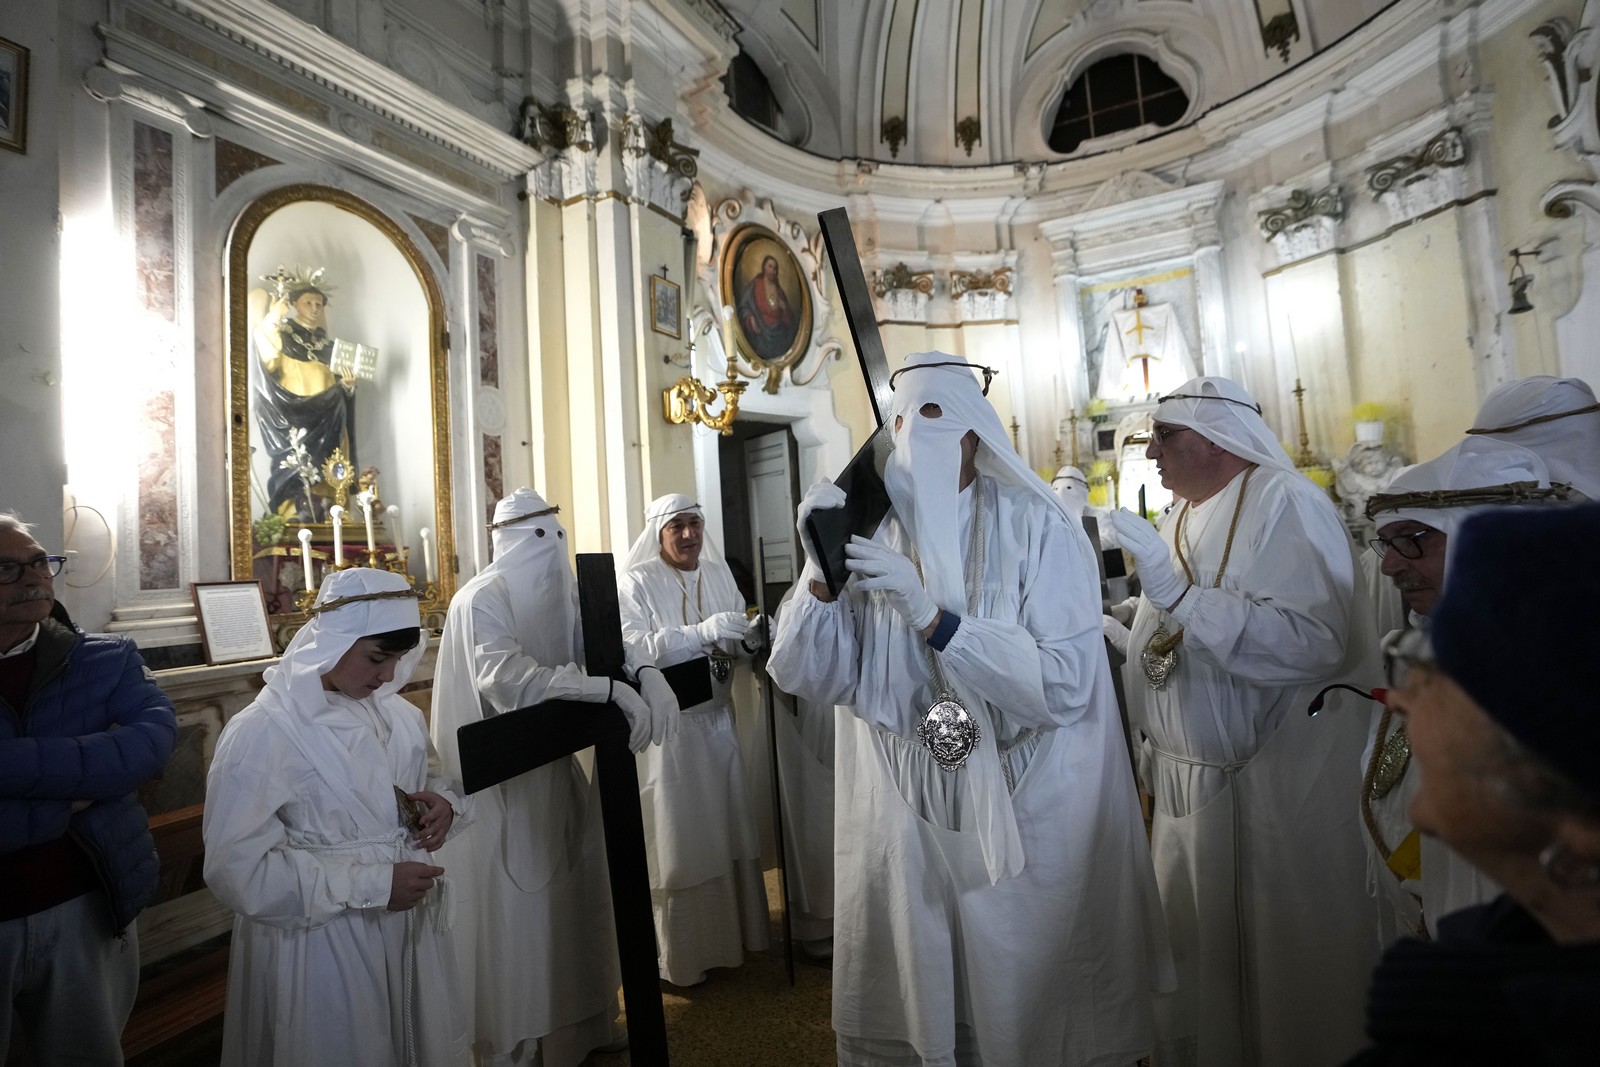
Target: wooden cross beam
503, 746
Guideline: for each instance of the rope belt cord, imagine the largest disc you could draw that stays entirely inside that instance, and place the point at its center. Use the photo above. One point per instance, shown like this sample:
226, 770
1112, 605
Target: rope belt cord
1167, 644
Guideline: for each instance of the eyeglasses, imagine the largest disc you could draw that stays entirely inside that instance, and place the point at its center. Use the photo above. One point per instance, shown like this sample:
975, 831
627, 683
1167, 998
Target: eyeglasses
11, 570
987, 372
1159, 434
1403, 652
1409, 545
1195, 396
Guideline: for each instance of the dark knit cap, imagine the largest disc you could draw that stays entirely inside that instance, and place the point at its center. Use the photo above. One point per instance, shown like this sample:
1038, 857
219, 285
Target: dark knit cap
1518, 628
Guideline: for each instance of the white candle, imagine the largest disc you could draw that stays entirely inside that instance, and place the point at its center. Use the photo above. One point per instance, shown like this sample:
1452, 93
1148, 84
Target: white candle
336, 513
727, 335
393, 511
305, 555
366, 511
427, 554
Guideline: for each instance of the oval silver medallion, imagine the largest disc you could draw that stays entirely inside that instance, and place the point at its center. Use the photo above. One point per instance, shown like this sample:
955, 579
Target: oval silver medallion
949, 733
1157, 665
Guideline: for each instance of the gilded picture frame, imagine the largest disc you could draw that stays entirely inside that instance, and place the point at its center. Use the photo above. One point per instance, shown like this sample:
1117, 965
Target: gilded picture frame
666, 307
761, 279
13, 96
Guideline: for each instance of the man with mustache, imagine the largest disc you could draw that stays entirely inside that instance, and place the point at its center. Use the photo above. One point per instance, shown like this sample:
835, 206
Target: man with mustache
82, 726
1418, 879
1250, 606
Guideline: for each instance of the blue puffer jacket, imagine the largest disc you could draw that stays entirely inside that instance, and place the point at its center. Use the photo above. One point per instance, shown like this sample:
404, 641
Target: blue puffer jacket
97, 728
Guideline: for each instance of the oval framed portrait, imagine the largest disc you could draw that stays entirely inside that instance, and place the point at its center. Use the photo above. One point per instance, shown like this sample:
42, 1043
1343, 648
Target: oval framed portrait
763, 282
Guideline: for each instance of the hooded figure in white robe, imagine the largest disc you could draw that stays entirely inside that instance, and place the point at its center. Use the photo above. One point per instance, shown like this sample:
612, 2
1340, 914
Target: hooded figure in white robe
1418, 879
1256, 844
303, 834
700, 833
1557, 418
1003, 911
534, 932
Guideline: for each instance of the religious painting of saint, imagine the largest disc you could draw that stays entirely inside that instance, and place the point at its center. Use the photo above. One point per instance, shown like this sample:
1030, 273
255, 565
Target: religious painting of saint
13, 96
763, 282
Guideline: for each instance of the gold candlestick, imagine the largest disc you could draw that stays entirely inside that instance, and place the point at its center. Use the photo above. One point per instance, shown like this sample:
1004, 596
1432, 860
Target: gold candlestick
1072, 420
1016, 430
1304, 458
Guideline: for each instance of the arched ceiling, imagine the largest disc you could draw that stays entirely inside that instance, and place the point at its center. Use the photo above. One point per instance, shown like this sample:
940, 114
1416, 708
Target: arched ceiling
971, 82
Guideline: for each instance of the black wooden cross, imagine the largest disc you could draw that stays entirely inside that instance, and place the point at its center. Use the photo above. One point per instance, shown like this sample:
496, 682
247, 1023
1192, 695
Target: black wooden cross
503, 746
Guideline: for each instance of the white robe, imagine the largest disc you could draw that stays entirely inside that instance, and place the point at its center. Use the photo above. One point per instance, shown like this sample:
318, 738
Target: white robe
535, 937
302, 833
935, 962
1256, 841
700, 835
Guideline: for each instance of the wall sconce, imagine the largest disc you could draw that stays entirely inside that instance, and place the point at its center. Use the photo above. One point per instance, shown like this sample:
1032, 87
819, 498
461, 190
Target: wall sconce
1521, 281
689, 400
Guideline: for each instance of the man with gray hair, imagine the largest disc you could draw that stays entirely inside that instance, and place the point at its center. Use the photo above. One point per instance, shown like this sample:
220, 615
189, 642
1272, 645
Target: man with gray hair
82, 726
1250, 606
1417, 879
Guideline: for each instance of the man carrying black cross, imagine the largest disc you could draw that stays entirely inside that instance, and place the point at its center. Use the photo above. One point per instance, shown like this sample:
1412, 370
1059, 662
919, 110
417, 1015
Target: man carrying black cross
534, 932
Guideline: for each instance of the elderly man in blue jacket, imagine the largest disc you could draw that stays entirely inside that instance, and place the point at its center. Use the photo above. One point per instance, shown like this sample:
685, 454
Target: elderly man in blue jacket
82, 726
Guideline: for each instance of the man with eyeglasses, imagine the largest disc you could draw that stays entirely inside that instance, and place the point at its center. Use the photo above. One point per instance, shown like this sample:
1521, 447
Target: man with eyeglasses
1250, 605
1417, 879
82, 726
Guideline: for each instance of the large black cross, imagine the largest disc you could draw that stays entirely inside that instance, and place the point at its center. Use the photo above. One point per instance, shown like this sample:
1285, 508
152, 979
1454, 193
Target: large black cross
503, 746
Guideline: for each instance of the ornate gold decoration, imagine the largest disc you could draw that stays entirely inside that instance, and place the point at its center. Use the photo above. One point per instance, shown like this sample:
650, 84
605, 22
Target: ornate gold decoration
1280, 33
238, 287
557, 127
901, 276
338, 473
977, 281
1447, 149
689, 400
969, 131
893, 131
1301, 207
658, 144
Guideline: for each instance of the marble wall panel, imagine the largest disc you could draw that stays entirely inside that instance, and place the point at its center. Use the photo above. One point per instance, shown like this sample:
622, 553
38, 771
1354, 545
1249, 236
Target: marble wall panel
488, 336
234, 161
155, 257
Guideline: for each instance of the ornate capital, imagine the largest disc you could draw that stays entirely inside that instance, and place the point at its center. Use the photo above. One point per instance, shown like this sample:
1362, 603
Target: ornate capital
555, 128
660, 170
969, 131
1447, 149
893, 131
975, 281
1281, 33
135, 89
900, 277
1301, 208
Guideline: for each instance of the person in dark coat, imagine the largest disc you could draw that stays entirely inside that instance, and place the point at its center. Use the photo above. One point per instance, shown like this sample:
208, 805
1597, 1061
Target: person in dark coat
82, 726
1504, 727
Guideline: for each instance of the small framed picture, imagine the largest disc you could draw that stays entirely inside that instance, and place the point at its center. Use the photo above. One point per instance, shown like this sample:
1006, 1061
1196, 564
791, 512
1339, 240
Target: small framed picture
233, 621
13, 96
665, 316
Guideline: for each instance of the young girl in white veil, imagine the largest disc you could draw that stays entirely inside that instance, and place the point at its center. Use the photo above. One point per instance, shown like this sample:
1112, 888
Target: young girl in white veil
321, 812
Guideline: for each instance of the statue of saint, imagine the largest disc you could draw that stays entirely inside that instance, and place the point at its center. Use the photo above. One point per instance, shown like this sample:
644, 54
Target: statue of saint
1145, 353
1366, 469
765, 315
304, 409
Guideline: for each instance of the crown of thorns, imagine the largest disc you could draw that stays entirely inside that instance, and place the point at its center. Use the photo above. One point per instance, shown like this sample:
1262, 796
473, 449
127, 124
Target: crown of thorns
1438, 499
553, 510
387, 594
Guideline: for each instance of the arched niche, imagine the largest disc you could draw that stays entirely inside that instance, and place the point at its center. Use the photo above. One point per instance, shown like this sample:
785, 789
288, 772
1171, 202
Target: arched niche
283, 392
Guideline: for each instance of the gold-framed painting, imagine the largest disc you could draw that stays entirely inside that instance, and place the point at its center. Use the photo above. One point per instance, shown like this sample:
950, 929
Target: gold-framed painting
665, 308
13, 96
763, 282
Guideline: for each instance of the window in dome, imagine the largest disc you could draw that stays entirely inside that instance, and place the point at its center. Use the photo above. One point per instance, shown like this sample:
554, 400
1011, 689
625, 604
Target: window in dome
1116, 93
750, 94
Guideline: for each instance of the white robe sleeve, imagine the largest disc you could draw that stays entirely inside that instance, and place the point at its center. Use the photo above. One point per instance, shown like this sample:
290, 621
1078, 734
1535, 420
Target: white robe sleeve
666, 644
249, 864
1286, 623
815, 652
1038, 671
504, 674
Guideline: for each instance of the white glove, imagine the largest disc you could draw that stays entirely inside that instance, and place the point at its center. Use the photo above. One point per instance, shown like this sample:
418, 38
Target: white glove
1116, 633
879, 568
1124, 611
663, 704
723, 626
755, 634
638, 713
819, 497
1150, 554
